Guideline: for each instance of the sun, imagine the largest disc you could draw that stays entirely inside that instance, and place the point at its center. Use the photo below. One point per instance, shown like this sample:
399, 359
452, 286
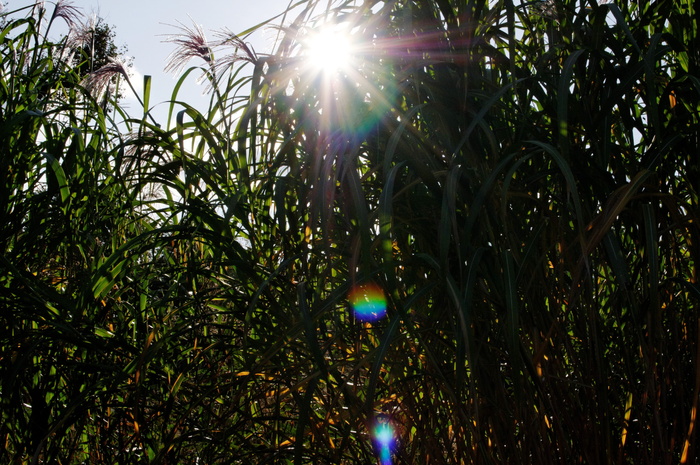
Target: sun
329, 50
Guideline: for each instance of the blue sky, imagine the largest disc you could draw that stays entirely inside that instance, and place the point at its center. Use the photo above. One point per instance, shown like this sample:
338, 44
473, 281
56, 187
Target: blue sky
142, 24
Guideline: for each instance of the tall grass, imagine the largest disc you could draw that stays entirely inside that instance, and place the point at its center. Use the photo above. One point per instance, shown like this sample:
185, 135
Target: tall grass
519, 178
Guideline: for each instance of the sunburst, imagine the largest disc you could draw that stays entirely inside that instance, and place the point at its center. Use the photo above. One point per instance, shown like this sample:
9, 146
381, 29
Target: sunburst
329, 50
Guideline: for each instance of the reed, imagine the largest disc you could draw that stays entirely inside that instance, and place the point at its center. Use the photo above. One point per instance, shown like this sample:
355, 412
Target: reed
516, 180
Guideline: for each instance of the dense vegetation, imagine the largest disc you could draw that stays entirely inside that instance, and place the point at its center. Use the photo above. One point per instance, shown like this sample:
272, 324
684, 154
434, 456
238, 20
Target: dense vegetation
520, 180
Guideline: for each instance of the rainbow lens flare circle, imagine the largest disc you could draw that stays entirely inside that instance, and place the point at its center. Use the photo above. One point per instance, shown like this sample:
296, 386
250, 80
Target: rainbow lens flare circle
368, 302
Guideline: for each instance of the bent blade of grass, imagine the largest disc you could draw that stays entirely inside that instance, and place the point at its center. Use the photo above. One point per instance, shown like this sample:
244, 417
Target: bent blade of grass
379, 357
385, 209
146, 94
512, 307
563, 101
310, 329
652, 249
571, 186
615, 204
62, 180
478, 119
396, 136
448, 229
482, 195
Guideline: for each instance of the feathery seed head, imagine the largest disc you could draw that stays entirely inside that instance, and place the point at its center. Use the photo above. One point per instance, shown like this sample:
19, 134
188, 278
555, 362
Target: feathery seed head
81, 33
191, 43
65, 10
241, 50
97, 82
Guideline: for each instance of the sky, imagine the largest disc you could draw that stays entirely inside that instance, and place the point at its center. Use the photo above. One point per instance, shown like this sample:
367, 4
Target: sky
142, 26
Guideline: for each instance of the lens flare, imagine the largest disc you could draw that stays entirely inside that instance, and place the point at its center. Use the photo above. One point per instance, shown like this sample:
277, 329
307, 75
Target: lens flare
384, 438
368, 302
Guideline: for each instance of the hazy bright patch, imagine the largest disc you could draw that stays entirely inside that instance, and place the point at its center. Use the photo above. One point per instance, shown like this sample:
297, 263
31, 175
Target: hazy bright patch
384, 438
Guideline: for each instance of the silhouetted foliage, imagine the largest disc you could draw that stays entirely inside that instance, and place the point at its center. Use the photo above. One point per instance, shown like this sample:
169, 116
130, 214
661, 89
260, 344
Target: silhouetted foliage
518, 179
97, 47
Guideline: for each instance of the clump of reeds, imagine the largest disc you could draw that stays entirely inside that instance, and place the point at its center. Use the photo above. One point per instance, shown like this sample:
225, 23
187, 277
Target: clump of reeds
519, 184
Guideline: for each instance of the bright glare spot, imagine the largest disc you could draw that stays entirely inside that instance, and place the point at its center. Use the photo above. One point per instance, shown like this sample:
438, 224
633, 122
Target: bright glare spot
384, 435
385, 439
329, 50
